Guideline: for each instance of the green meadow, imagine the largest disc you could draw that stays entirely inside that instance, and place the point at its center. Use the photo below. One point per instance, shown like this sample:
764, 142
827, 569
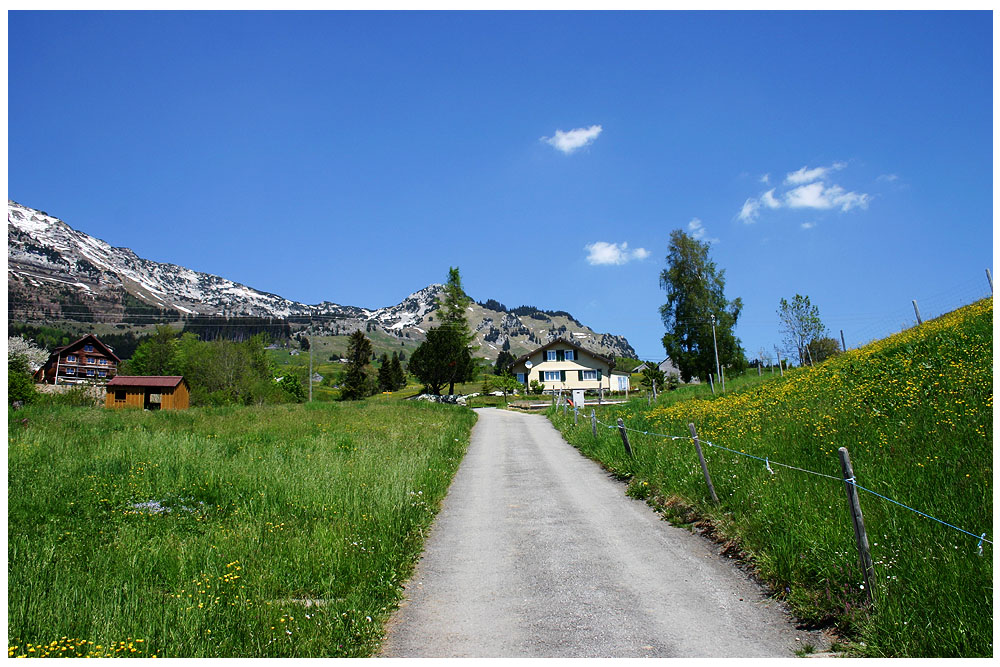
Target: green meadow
914, 410
278, 531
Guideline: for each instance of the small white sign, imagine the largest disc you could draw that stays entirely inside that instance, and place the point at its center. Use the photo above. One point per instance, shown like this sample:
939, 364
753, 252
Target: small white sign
578, 401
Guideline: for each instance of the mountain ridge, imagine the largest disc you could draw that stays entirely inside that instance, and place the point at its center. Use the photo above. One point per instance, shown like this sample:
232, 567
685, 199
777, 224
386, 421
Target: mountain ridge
57, 272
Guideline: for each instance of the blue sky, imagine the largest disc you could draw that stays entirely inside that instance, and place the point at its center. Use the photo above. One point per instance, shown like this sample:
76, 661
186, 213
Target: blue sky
354, 156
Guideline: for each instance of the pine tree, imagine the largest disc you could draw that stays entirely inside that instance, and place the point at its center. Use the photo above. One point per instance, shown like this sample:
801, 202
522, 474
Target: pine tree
358, 382
453, 307
504, 364
385, 374
398, 375
441, 359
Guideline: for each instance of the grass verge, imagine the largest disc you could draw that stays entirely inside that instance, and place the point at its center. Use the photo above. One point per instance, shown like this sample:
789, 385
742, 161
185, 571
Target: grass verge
915, 411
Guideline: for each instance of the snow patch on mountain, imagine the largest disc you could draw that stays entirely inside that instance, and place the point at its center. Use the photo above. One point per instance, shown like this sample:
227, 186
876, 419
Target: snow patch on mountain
41, 247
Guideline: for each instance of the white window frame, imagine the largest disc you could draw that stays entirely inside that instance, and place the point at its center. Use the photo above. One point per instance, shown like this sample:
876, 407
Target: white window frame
70, 371
549, 376
589, 375
71, 358
521, 378
550, 355
570, 355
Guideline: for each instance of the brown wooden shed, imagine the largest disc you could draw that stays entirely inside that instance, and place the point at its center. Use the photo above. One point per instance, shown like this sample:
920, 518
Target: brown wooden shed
150, 392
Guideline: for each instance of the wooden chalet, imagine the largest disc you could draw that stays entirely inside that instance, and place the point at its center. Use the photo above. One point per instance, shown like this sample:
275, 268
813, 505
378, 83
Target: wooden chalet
84, 360
149, 392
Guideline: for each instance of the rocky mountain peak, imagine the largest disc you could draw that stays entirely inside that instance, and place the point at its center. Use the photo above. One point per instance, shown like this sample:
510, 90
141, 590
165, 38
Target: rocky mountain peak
56, 272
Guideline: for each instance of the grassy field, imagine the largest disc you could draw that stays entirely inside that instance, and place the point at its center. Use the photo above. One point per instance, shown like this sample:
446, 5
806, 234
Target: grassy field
916, 413
280, 531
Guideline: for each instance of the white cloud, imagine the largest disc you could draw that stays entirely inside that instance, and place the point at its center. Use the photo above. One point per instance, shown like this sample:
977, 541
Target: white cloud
750, 210
817, 195
811, 189
806, 175
887, 177
765, 179
567, 142
601, 252
769, 200
698, 231
808, 225
807, 196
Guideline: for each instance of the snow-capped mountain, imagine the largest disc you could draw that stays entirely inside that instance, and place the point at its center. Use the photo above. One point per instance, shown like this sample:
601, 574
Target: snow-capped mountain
56, 272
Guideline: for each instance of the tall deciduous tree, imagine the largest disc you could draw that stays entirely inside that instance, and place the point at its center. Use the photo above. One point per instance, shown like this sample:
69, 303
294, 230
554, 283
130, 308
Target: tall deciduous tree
358, 380
800, 325
695, 292
157, 355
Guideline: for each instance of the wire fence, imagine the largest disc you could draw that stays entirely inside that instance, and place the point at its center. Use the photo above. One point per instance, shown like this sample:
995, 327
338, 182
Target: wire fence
768, 462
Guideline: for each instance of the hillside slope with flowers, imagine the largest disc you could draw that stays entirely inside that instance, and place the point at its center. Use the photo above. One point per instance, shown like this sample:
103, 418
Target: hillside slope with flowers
915, 411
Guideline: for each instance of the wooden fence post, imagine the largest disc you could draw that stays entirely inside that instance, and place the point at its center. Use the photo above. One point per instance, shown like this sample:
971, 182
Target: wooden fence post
843, 345
576, 414
989, 277
860, 536
711, 384
621, 429
704, 466
917, 311
593, 422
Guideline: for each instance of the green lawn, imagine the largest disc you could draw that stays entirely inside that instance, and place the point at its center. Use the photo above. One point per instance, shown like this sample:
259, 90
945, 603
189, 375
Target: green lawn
202, 533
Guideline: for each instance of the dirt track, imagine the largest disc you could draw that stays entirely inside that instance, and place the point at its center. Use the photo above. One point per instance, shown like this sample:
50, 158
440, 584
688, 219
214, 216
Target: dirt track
537, 552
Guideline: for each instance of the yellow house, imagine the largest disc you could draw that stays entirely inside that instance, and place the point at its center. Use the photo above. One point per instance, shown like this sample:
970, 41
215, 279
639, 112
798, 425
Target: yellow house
564, 365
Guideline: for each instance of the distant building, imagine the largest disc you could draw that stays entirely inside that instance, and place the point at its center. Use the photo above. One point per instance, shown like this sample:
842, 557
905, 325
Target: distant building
149, 392
83, 360
667, 366
563, 364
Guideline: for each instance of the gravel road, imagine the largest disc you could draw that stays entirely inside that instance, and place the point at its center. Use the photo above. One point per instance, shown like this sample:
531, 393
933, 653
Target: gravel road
537, 552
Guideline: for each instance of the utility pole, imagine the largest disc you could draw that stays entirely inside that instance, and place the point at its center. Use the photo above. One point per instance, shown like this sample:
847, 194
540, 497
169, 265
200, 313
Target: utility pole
309, 340
842, 343
718, 371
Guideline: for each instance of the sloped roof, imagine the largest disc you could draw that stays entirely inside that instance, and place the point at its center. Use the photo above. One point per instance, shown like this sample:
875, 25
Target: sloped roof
159, 381
575, 346
107, 350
